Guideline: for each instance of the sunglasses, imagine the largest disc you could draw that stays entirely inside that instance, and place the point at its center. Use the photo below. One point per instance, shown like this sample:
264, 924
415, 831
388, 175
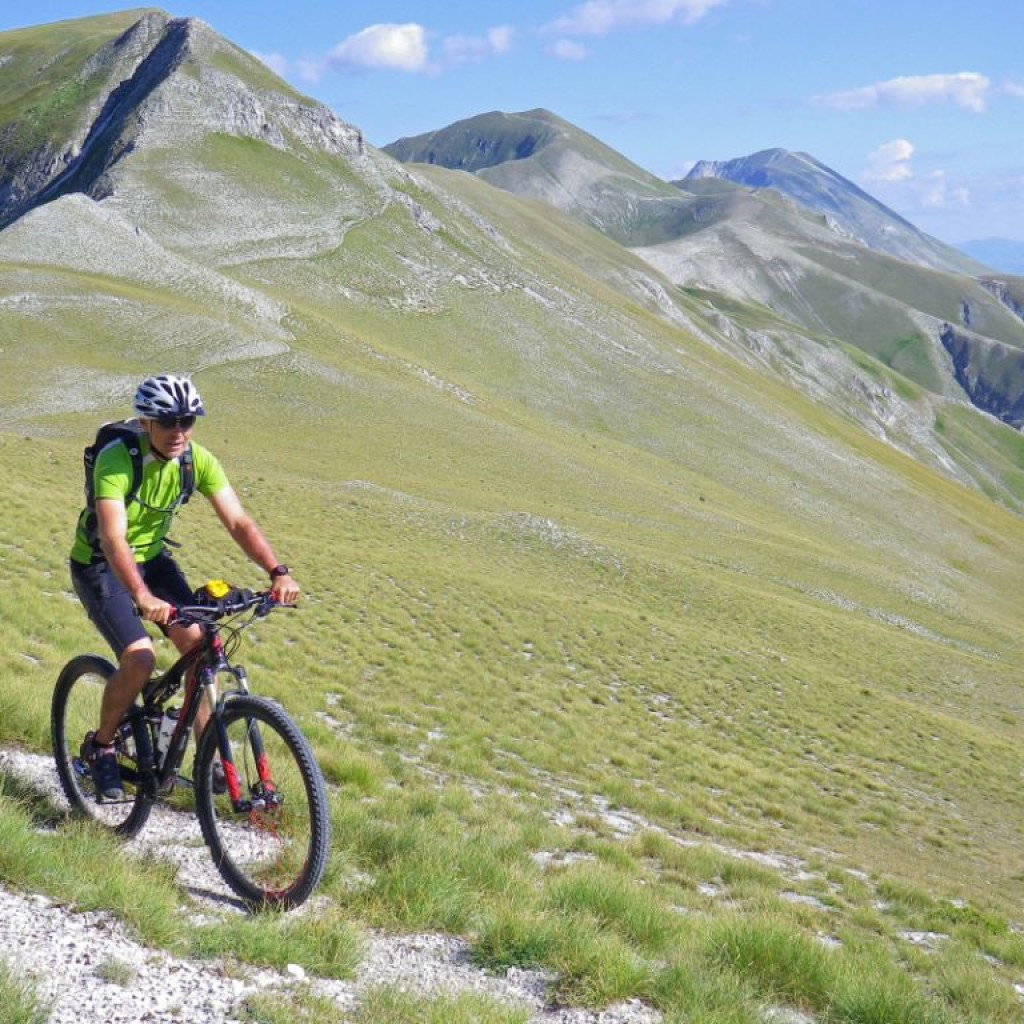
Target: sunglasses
170, 422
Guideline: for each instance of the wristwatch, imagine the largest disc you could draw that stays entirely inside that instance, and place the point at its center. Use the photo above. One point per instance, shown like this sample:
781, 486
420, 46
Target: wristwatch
280, 570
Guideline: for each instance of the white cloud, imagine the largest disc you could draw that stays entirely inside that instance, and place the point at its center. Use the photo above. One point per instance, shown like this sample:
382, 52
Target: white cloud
458, 50
599, 17
1014, 89
967, 89
566, 49
392, 47
890, 162
938, 195
274, 61
932, 196
501, 38
311, 69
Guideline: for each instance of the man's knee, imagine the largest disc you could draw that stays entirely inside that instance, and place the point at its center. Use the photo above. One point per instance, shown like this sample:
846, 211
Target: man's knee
185, 637
137, 662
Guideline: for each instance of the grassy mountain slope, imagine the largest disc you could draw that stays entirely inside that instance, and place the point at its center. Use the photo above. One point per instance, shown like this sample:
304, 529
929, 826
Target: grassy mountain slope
588, 583
539, 155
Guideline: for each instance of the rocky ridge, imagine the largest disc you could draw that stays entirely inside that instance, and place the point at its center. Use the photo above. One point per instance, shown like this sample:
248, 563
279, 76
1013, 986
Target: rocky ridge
138, 98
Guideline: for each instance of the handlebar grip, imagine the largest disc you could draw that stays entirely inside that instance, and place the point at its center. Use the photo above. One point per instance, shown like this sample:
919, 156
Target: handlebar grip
138, 614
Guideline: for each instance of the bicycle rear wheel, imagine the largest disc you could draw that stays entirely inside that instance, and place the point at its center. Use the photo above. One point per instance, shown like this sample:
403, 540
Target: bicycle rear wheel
74, 712
270, 838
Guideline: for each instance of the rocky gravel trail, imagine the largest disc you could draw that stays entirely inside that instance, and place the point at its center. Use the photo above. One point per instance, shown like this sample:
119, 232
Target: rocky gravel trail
87, 967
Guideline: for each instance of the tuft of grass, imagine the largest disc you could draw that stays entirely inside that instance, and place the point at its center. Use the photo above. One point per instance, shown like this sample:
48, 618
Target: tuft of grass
20, 1001
324, 943
615, 903
596, 968
968, 985
299, 1005
391, 1005
783, 962
871, 989
115, 972
510, 935
694, 990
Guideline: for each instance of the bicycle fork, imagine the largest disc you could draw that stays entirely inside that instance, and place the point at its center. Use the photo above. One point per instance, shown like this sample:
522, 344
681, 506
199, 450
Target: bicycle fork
262, 794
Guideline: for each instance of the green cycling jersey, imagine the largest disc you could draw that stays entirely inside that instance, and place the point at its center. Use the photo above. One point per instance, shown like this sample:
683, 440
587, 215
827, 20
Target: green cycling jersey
150, 514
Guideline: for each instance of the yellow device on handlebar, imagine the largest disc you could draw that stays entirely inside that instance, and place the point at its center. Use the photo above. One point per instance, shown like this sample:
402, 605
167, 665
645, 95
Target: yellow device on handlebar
218, 589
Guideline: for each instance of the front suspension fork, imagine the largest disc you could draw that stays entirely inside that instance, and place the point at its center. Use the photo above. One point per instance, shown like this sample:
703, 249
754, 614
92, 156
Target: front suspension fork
261, 792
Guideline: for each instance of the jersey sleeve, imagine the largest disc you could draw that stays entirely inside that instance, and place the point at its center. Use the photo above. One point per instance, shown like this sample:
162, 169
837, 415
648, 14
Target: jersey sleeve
210, 475
112, 474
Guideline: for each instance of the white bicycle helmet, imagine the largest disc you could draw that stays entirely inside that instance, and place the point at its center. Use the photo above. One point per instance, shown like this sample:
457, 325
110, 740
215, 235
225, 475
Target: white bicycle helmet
168, 395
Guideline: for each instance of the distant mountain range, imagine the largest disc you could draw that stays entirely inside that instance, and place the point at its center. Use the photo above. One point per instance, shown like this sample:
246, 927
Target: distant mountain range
150, 151
538, 154
778, 232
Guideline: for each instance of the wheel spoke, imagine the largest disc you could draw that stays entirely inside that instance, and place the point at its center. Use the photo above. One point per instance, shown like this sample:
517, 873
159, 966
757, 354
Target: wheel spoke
270, 846
76, 712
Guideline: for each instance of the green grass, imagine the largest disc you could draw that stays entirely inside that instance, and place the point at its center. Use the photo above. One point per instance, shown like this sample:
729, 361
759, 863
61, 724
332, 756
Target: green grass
21, 1002
444, 859
448, 686
328, 946
392, 1006
299, 1006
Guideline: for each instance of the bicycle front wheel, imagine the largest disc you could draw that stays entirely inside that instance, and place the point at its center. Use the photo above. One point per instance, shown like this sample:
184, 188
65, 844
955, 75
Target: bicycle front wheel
74, 712
270, 832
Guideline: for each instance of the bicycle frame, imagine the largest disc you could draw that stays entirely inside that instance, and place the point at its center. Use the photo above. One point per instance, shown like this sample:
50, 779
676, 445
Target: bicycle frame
198, 670
269, 835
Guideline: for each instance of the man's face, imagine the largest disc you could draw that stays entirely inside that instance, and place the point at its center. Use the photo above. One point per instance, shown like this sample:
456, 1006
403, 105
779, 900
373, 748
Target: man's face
170, 435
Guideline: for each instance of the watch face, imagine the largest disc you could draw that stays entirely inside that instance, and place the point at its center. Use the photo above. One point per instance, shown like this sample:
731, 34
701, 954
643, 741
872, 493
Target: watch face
279, 570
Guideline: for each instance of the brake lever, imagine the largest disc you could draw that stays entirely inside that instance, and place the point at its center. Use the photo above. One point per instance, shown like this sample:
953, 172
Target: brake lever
174, 619
180, 618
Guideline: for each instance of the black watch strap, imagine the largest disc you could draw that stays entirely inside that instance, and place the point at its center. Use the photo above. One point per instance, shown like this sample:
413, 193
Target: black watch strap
279, 570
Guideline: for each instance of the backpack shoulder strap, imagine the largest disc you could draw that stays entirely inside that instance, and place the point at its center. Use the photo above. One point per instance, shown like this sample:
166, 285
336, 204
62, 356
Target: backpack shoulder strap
128, 433
187, 468
133, 442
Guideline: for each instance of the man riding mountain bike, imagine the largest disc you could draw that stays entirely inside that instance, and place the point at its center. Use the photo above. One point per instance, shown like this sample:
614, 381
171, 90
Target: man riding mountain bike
121, 569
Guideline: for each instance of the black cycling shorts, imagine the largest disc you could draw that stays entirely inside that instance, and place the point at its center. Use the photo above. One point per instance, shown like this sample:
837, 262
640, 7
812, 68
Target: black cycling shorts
111, 607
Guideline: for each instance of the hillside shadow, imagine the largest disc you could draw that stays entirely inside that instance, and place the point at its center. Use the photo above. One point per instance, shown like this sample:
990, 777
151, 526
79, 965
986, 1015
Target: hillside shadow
110, 136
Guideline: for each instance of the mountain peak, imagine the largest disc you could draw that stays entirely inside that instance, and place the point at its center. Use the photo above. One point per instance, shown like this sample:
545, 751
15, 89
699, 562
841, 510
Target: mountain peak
537, 154
482, 141
848, 209
128, 71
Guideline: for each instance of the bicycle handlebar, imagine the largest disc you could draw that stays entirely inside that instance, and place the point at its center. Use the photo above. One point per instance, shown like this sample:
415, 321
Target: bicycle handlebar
235, 603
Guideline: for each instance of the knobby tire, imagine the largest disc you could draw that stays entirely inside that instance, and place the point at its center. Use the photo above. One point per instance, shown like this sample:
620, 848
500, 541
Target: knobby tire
273, 857
74, 711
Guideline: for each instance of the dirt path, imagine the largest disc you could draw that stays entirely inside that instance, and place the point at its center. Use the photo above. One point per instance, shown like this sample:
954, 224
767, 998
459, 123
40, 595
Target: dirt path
87, 966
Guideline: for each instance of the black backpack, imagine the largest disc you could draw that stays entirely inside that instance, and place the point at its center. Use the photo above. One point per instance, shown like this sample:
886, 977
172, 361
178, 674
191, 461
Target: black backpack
128, 432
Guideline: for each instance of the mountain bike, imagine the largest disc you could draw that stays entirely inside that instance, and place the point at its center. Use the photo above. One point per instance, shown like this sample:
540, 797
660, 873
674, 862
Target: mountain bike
259, 793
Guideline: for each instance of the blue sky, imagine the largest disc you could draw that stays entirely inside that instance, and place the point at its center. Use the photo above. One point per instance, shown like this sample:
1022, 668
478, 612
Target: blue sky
920, 103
